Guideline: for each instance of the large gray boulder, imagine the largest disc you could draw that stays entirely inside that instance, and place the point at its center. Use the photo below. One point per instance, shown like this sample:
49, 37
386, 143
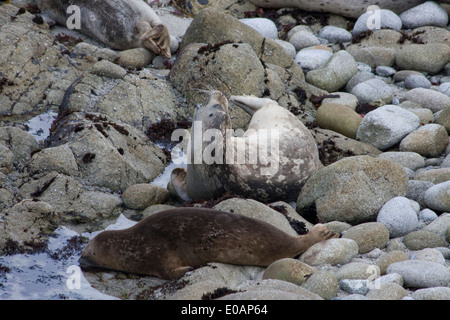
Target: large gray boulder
386, 126
109, 154
429, 58
27, 226
421, 274
212, 27
352, 190
137, 100
335, 73
230, 68
220, 52
28, 60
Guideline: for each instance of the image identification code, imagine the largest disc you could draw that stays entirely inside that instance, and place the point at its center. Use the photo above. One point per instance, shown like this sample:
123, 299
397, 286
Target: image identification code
229, 309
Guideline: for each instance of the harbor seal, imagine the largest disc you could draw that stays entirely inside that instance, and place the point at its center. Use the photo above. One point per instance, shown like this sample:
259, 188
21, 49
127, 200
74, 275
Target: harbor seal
122, 25
271, 161
169, 243
347, 8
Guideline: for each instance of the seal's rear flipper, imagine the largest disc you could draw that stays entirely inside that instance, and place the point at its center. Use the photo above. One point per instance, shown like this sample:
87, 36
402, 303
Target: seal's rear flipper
320, 233
177, 178
157, 39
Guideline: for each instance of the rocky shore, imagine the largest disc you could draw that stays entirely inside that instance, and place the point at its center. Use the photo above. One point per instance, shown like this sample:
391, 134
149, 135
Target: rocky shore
377, 102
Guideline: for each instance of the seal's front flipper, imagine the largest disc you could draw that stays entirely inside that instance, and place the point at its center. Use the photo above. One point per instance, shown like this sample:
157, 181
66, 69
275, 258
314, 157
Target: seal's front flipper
47, 18
178, 180
250, 104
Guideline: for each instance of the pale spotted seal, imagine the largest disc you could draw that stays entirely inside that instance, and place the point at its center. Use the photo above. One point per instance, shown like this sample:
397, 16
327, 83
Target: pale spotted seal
347, 8
169, 243
271, 161
122, 25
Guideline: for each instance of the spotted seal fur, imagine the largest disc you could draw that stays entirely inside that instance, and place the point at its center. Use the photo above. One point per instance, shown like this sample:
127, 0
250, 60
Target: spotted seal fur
122, 25
283, 150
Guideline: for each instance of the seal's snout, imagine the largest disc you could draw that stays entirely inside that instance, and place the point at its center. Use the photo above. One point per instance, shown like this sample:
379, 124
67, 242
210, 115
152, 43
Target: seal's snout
87, 263
83, 261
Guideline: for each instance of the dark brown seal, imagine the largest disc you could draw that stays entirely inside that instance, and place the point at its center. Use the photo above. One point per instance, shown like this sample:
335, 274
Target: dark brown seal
172, 242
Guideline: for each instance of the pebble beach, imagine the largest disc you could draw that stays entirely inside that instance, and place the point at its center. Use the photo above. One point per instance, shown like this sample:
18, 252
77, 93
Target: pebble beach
85, 146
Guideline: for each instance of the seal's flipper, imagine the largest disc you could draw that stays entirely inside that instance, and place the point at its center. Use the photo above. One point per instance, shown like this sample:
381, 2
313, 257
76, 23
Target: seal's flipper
46, 15
157, 39
320, 233
250, 104
178, 272
178, 180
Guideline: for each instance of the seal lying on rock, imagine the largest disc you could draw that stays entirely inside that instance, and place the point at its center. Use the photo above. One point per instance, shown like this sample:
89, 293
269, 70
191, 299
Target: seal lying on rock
271, 161
347, 8
169, 243
122, 25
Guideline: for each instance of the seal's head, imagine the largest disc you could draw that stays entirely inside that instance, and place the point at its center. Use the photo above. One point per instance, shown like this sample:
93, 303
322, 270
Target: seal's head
207, 121
215, 114
157, 39
100, 253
